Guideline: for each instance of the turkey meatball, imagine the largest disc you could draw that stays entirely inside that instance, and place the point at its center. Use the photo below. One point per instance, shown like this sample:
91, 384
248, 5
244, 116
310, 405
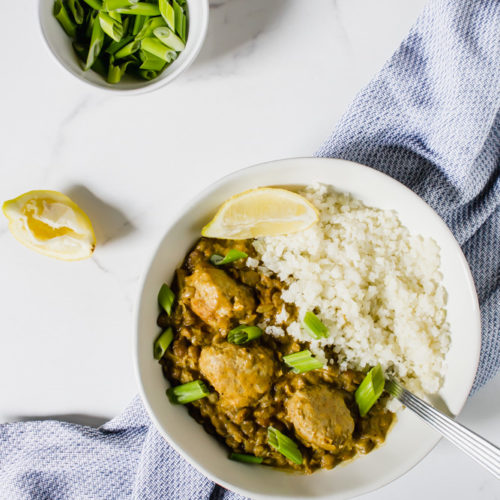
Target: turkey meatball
320, 416
241, 375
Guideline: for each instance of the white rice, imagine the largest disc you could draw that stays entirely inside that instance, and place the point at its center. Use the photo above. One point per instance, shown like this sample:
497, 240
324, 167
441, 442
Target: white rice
373, 284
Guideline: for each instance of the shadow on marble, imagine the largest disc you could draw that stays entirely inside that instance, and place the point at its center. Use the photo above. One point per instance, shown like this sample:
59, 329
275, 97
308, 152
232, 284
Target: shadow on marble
236, 23
73, 418
109, 222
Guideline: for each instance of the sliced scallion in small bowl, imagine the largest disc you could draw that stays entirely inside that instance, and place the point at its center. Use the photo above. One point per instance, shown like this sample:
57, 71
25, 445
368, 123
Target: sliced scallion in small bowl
118, 37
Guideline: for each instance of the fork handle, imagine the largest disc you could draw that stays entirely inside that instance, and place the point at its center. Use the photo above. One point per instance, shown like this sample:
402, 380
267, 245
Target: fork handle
478, 448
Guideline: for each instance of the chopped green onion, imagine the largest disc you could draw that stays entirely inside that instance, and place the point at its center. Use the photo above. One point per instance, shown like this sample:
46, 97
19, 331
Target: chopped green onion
148, 74
61, 14
231, 256
138, 24
110, 26
370, 390
128, 49
117, 4
116, 72
180, 20
131, 25
183, 29
149, 26
243, 334
246, 459
284, 445
162, 342
169, 38
89, 25
187, 393
166, 298
302, 361
76, 10
117, 17
114, 47
141, 9
167, 12
95, 4
96, 42
151, 62
314, 326
155, 47
81, 51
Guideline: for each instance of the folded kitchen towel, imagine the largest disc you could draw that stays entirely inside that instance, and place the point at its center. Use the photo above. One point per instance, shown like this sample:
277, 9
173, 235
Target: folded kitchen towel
431, 120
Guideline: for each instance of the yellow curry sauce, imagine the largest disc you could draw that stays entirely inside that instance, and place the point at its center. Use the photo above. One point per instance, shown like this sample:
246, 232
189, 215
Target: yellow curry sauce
251, 387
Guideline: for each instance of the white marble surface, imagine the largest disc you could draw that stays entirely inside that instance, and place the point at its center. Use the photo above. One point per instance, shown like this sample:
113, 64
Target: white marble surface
272, 79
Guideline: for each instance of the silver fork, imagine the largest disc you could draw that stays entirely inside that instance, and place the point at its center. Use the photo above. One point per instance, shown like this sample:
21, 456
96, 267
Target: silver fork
478, 448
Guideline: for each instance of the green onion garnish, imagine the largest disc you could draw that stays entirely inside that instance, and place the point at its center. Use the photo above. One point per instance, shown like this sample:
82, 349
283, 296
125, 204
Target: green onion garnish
110, 26
162, 342
302, 361
169, 38
114, 47
139, 22
167, 12
158, 49
166, 298
128, 49
149, 26
370, 389
117, 4
96, 43
180, 20
76, 10
98, 30
140, 9
314, 326
231, 256
247, 459
187, 393
151, 62
62, 15
243, 334
284, 445
95, 4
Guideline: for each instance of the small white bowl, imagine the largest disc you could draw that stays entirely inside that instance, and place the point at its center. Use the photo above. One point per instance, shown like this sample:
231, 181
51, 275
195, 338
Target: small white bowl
60, 46
410, 439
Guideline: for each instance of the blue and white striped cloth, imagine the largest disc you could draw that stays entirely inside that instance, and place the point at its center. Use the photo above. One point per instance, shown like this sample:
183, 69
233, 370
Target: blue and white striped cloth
431, 120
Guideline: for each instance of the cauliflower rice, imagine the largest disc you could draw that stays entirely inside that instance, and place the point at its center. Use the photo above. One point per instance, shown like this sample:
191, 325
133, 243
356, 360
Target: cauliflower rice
372, 283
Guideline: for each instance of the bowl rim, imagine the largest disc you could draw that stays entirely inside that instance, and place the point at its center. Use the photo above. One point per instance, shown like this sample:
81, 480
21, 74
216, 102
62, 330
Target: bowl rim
375, 485
147, 86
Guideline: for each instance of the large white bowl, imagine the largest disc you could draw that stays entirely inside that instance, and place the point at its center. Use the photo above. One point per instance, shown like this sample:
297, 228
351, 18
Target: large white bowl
410, 439
59, 44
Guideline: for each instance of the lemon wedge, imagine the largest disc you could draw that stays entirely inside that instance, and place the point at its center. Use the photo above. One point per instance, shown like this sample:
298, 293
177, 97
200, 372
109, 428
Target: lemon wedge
261, 212
50, 223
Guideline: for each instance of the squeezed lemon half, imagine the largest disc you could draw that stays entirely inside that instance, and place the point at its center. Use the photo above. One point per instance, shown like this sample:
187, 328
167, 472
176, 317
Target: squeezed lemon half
50, 223
261, 212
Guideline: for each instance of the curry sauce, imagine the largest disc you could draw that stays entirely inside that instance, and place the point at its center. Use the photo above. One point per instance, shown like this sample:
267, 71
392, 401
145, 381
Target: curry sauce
251, 387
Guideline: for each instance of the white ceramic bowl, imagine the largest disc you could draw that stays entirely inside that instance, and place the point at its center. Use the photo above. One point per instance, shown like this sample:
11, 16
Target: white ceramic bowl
411, 439
60, 46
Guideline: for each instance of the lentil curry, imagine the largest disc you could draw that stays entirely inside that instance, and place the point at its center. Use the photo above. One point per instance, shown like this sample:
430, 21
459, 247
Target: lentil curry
250, 386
